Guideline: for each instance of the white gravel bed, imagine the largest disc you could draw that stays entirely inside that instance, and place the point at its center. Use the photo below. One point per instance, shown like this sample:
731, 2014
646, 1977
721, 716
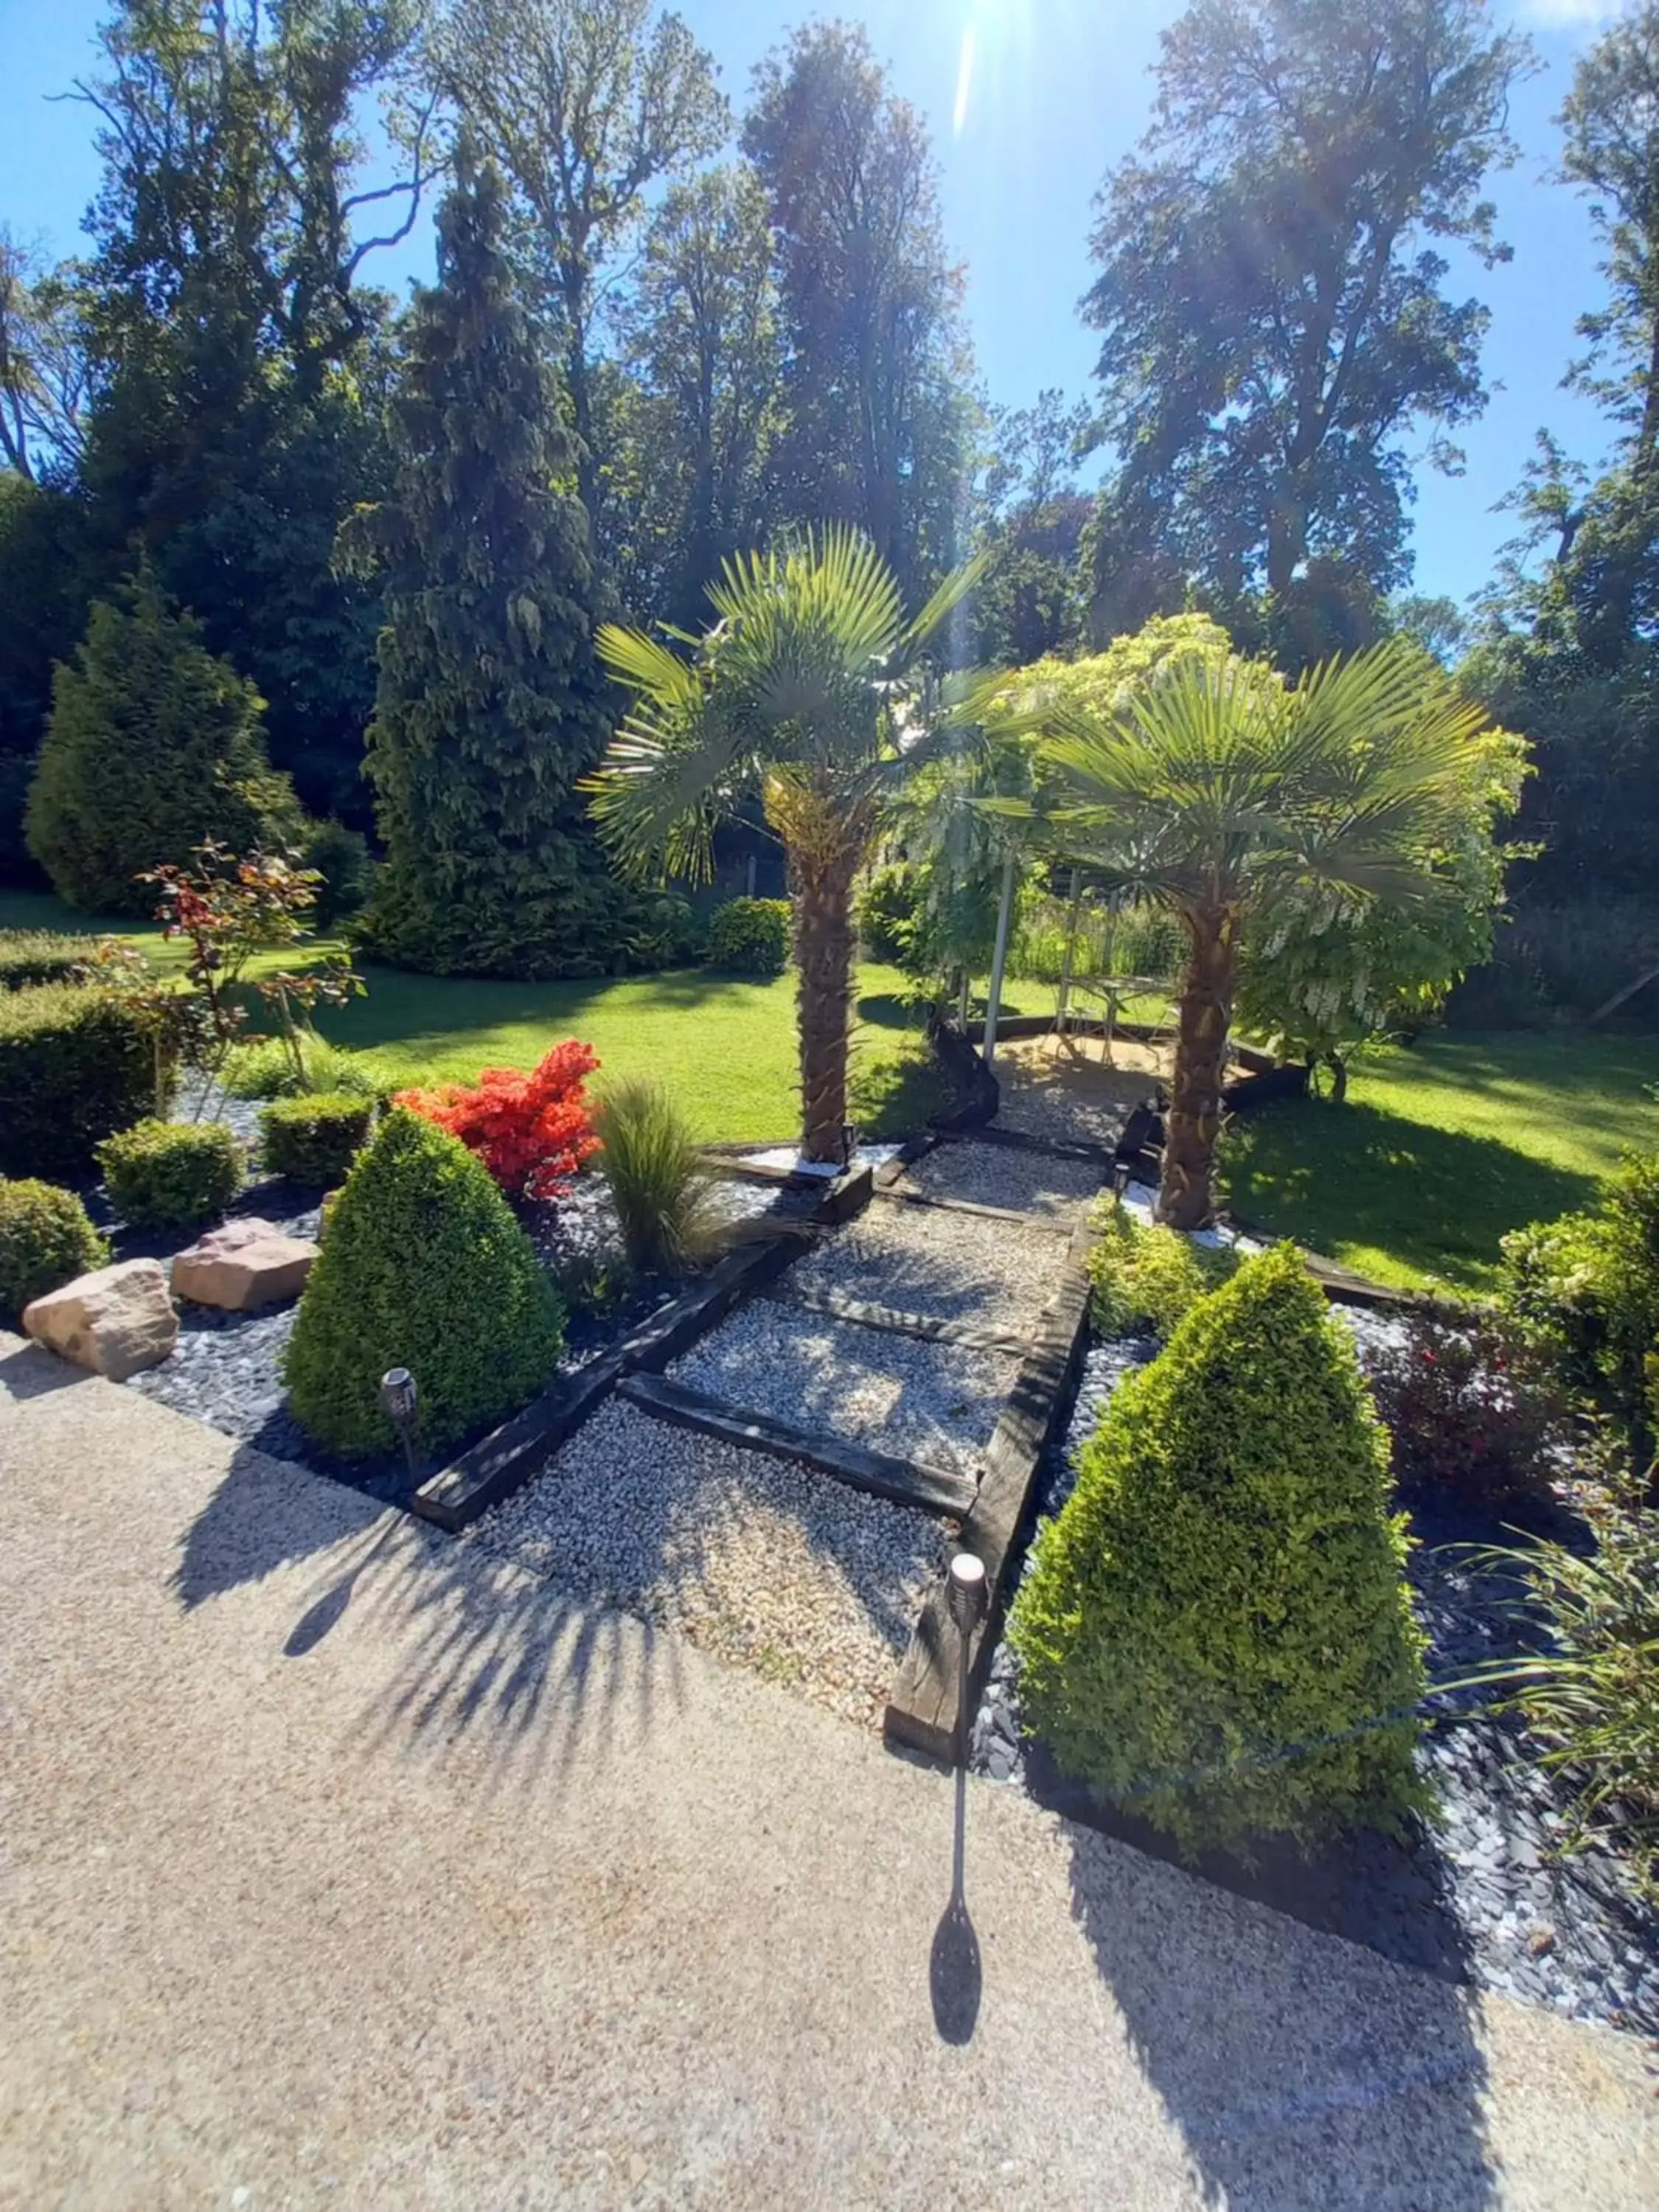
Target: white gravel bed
955, 1267
933, 1402
1059, 1111
770, 1565
990, 1175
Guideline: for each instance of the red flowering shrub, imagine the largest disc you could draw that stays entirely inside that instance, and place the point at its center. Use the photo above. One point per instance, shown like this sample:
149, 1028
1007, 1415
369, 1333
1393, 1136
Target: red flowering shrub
532, 1131
1469, 1412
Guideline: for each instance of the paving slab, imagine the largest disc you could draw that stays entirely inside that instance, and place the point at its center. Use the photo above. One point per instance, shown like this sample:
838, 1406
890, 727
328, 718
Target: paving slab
345, 1866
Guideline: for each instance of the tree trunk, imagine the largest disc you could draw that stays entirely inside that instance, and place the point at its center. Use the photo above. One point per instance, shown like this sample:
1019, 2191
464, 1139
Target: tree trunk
1192, 1126
824, 961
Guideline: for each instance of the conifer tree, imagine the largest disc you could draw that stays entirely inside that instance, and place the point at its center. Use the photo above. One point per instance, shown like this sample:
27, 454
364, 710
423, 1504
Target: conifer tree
490, 703
154, 745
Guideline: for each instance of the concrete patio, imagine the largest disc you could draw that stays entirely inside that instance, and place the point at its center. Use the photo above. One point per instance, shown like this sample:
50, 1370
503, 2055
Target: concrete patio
341, 1865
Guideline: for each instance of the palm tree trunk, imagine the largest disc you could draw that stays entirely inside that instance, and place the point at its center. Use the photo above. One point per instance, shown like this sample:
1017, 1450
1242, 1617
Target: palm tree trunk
823, 963
1186, 1197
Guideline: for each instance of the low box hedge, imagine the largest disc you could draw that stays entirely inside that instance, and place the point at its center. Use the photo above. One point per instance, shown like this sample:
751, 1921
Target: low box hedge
315, 1138
171, 1175
41, 956
75, 1064
45, 1240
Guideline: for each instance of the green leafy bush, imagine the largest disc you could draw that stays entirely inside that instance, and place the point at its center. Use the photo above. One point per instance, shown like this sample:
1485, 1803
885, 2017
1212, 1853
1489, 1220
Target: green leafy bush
1585, 1291
888, 910
41, 956
75, 1064
171, 1174
264, 1068
750, 937
45, 1240
153, 744
1469, 1412
315, 1138
1147, 1280
659, 1182
340, 857
424, 1266
1214, 1632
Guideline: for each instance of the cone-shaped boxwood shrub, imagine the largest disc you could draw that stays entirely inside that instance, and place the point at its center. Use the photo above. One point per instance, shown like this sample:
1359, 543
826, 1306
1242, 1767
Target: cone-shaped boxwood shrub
424, 1266
1214, 1634
171, 1174
314, 1139
45, 1240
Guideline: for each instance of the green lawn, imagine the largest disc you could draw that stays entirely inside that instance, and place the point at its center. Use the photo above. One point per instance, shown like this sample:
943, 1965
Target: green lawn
1439, 1150
725, 1049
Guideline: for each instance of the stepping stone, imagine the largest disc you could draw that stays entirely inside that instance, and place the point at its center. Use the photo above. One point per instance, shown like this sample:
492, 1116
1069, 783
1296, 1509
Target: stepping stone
114, 1321
244, 1264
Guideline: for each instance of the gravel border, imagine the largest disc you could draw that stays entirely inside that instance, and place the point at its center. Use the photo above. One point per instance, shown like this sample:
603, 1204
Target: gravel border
1480, 1900
937, 1403
954, 1266
770, 1565
997, 1174
1063, 1113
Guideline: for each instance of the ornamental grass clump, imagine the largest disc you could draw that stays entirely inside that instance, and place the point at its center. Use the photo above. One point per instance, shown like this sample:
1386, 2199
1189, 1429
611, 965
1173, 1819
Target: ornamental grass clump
659, 1183
1214, 1634
424, 1266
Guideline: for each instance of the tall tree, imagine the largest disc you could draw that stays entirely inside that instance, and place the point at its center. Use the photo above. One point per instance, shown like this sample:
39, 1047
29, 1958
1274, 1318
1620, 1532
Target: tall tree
237, 351
585, 103
44, 373
1570, 656
704, 348
876, 377
1028, 605
1272, 301
491, 704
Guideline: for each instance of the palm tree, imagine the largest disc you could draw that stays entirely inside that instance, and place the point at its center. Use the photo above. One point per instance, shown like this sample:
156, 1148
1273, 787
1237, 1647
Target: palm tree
1214, 788
800, 688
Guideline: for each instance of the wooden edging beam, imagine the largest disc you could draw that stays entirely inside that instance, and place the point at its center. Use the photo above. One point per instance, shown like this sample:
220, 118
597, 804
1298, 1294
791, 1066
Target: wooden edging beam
504, 1461
905, 1482
1008, 1213
921, 1711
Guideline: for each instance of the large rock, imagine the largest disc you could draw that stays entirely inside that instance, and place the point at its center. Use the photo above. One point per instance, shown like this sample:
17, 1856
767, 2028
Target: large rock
114, 1320
244, 1264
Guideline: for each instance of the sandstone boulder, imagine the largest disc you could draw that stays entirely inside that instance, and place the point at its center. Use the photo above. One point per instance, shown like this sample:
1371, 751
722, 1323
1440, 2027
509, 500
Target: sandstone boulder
114, 1320
244, 1264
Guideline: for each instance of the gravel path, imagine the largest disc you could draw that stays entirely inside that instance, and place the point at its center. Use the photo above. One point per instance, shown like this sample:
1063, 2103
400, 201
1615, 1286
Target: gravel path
993, 1174
1482, 1900
933, 1402
954, 1266
1066, 1113
769, 1565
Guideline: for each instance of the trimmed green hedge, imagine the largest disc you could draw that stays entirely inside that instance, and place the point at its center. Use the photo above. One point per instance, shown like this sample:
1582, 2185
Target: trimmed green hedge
425, 1266
316, 1137
171, 1174
75, 1065
45, 1240
750, 937
28, 957
1214, 1632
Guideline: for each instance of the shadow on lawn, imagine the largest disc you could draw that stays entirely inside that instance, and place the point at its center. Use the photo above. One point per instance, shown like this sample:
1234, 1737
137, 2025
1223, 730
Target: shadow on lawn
1437, 1200
1300, 2080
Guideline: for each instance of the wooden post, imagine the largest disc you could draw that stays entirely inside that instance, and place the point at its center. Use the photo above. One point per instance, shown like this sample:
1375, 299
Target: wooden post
999, 961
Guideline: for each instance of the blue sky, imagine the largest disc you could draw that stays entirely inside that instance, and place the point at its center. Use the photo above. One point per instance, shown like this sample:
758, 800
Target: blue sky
1030, 102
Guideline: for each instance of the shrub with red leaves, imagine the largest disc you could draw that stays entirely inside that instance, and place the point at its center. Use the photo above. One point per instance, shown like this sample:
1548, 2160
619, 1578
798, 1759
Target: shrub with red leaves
532, 1131
1470, 1412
